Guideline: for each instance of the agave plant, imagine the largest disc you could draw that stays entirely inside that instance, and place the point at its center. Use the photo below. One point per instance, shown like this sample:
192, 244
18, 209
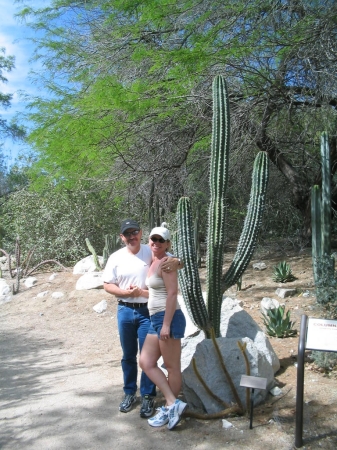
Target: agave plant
283, 273
278, 324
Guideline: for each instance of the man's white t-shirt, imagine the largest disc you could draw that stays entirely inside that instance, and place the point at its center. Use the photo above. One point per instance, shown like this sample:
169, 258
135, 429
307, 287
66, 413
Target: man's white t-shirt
125, 269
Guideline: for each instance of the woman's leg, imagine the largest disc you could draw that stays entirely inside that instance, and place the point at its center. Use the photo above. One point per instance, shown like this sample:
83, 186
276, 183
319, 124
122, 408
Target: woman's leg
171, 352
148, 362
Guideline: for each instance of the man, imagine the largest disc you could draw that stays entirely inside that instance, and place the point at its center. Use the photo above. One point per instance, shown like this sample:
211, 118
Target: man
124, 277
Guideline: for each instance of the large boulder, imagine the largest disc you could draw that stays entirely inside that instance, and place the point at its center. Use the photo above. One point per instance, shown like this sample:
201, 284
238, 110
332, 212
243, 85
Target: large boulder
210, 370
236, 325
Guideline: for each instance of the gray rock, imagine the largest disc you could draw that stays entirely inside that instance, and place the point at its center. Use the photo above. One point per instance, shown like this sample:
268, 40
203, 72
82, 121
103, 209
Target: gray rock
283, 293
259, 266
210, 370
236, 325
57, 294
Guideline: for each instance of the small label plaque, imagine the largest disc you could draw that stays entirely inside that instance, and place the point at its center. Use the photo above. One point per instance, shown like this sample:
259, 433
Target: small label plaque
253, 382
322, 335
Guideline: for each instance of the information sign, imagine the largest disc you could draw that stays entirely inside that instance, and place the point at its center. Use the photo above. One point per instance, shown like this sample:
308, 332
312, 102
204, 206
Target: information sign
322, 335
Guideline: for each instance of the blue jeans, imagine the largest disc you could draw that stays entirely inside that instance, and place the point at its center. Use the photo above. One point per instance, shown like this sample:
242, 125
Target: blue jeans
133, 325
177, 328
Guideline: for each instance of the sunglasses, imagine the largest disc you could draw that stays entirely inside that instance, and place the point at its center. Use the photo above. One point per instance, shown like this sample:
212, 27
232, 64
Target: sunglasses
161, 240
131, 233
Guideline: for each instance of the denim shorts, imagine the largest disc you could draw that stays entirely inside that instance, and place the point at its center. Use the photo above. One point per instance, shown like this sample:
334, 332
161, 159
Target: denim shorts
178, 324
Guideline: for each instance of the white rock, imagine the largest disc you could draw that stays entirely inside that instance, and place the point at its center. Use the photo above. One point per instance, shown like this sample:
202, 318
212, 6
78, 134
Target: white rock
5, 289
268, 303
100, 307
93, 280
5, 298
53, 276
259, 266
226, 424
42, 294
276, 391
86, 265
57, 294
30, 281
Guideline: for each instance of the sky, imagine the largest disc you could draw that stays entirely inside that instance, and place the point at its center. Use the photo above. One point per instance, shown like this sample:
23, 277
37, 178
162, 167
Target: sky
13, 39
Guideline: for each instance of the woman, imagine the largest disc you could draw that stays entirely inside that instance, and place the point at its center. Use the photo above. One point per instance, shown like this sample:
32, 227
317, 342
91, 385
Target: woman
166, 330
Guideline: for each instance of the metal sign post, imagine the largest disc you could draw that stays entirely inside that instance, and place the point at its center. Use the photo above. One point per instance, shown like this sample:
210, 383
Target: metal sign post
253, 383
315, 334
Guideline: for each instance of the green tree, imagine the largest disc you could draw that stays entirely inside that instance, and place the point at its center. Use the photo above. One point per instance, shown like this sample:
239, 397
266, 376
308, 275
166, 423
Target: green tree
130, 81
12, 129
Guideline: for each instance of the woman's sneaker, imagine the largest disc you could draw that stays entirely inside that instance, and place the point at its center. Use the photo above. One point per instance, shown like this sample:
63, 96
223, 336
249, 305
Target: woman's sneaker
128, 401
160, 419
174, 413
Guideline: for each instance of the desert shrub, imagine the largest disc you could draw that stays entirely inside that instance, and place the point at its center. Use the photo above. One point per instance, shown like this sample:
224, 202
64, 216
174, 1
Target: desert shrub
56, 222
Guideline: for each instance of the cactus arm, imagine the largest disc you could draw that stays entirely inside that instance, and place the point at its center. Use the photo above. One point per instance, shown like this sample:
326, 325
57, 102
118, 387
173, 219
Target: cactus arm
326, 195
316, 229
216, 212
188, 277
252, 222
94, 254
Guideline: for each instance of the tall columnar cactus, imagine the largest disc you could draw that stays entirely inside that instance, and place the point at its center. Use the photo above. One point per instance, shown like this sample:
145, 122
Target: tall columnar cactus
207, 316
323, 263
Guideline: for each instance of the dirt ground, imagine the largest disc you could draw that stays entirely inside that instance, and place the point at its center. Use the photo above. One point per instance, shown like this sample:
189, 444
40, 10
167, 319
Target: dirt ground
61, 381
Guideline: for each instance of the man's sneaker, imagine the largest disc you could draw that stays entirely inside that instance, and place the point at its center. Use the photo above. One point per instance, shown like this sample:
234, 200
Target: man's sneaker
147, 407
128, 401
174, 413
160, 419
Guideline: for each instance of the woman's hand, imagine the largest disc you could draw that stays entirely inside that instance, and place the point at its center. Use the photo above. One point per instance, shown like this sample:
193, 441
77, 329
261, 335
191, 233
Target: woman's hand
165, 332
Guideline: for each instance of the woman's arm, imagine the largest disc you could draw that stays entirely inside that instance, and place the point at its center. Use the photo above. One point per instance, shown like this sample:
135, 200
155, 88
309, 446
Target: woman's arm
171, 285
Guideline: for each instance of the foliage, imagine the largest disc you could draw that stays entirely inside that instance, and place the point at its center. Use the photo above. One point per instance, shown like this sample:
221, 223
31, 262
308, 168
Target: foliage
130, 82
277, 324
282, 273
325, 360
56, 222
12, 129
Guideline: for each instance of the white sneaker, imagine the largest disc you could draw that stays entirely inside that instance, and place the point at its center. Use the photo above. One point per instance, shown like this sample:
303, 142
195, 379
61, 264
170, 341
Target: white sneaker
160, 419
174, 413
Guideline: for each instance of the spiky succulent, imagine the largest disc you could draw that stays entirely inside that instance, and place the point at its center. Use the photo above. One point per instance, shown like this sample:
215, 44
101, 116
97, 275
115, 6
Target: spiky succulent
278, 324
282, 273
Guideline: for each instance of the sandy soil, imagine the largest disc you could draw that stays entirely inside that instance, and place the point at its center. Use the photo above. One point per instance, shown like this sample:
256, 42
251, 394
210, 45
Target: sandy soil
61, 380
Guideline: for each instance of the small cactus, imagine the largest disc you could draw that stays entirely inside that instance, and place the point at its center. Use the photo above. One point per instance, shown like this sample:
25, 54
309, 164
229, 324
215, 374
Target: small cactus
282, 273
277, 324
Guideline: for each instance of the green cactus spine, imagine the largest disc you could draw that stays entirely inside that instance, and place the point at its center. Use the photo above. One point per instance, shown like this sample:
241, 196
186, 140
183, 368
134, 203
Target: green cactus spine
112, 243
207, 317
94, 254
323, 263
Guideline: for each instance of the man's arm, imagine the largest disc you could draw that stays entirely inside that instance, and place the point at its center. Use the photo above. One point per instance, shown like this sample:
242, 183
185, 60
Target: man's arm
133, 291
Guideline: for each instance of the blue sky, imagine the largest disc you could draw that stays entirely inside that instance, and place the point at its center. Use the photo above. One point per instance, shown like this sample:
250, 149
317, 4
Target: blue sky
13, 39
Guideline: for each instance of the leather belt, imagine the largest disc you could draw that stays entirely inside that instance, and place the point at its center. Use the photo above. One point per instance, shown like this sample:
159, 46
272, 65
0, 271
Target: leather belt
132, 305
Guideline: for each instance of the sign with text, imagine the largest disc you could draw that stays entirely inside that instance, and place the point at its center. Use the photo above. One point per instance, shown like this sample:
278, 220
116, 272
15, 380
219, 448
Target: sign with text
253, 382
322, 335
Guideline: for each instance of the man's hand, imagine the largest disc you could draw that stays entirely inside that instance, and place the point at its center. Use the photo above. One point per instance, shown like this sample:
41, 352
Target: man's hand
170, 264
135, 291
